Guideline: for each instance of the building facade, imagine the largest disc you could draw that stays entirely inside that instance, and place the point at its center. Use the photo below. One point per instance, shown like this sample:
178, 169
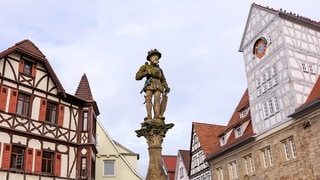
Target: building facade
281, 53
45, 133
203, 141
182, 165
114, 161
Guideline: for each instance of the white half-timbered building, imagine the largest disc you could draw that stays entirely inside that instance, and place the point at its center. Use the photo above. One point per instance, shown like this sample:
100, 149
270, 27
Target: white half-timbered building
45, 133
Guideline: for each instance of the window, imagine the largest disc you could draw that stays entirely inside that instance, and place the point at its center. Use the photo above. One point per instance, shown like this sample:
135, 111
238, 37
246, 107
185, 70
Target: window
17, 157
85, 121
23, 104
267, 157
223, 140
289, 148
233, 170
83, 172
244, 112
267, 80
220, 173
181, 172
248, 164
308, 68
238, 131
51, 113
108, 168
27, 68
270, 107
47, 162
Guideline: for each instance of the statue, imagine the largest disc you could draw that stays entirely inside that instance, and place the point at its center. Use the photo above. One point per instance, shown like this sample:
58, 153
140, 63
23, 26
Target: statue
155, 87
154, 128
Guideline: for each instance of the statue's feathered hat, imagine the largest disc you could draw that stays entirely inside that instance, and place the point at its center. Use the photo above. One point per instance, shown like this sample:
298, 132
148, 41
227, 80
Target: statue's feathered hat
152, 52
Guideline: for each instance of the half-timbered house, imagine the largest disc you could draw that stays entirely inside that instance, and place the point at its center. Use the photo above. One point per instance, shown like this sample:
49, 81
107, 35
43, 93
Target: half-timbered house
44, 131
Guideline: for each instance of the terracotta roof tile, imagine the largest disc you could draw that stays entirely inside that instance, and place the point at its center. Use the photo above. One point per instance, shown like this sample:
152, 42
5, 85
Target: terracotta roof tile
83, 91
313, 96
234, 122
170, 164
208, 136
235, 118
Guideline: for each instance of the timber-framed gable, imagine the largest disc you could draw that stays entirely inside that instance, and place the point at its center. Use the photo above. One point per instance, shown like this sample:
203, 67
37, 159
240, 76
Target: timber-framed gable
41, 126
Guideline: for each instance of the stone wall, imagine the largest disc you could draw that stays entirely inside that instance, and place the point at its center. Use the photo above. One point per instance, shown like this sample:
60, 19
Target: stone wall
306, 165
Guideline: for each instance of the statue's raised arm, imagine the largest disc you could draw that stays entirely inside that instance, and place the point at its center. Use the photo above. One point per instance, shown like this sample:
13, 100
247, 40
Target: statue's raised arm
155, 87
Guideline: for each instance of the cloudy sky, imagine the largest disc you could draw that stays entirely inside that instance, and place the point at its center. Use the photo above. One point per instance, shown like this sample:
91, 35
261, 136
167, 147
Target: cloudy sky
109, 40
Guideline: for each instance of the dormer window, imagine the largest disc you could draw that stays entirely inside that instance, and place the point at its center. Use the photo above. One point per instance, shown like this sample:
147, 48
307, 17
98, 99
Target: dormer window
244, 112
238, 131
223, 140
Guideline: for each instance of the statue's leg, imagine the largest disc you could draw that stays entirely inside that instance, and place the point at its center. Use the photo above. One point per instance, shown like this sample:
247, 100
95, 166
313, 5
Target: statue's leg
156, 106
148, 98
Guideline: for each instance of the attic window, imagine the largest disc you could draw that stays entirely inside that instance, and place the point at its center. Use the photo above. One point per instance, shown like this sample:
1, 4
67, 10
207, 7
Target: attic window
238, 131
244, 112
223, 140
27, 68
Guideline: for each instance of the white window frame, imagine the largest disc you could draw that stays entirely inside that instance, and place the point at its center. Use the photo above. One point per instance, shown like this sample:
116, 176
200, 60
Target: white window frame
238, 131
223, 140
289, 149
248, 164
267, 156
233, 170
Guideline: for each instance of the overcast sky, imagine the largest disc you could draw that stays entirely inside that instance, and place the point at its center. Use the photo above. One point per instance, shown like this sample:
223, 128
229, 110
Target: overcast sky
109, 40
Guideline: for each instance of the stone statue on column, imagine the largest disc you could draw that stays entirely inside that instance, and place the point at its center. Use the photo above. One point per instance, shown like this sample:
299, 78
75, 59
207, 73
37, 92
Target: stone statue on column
153, 128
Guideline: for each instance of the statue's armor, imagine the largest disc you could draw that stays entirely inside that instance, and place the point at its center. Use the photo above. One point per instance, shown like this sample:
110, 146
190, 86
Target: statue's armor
158, 81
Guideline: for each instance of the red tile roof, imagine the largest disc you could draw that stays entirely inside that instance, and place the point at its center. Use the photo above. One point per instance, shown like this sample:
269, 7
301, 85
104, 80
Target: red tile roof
313, 97
314, 94
208, 136
170, 164
235, 121
235, 118
83, 91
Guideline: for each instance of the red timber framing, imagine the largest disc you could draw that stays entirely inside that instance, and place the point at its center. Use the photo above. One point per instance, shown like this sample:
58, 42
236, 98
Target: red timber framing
38, 140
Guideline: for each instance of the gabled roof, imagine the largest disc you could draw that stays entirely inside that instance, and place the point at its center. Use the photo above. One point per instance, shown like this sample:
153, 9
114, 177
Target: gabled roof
30, 50
185, 156
283, 14
235, 118
170, 162
116, 146
235, 121
83, 91
207, 136
313, 98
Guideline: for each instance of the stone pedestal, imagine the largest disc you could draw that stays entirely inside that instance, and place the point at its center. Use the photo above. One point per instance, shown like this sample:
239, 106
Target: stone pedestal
154, 131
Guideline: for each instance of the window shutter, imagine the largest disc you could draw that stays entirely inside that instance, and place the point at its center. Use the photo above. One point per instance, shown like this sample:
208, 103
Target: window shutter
29, 160
60, 115
21, 66
42, 110
3, 98
57, 164
34, 70
38, 161
6, 156
13, 101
